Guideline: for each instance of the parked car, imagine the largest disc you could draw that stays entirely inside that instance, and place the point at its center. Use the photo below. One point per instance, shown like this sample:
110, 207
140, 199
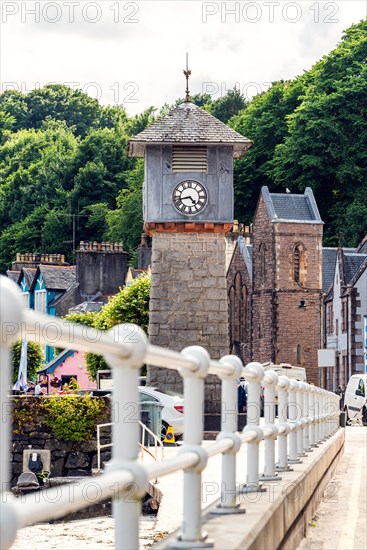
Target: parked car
355, 404
172, 412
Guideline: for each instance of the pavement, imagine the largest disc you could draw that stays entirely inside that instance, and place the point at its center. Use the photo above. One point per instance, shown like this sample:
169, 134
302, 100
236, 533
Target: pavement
340, 522
341, 519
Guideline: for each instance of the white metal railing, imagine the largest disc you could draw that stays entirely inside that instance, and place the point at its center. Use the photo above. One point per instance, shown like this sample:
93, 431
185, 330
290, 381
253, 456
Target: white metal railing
144, 430
307, 415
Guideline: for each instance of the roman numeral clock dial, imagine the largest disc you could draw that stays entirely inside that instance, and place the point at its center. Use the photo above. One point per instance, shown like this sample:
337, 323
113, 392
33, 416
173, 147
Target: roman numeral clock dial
189, 197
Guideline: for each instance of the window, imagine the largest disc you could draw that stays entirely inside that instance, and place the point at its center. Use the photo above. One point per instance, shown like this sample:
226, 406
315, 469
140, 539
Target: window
25, 299
298, 264
344, 316
189, 159
144, 397
329, 318
238, 308
298, 355
40, 301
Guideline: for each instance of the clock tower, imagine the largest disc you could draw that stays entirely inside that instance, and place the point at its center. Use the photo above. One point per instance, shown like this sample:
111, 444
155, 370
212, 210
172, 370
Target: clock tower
188, 209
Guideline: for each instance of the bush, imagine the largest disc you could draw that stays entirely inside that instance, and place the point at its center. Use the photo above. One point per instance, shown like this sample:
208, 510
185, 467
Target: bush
73, 417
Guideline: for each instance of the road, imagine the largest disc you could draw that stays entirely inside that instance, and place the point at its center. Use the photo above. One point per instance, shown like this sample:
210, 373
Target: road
341, 520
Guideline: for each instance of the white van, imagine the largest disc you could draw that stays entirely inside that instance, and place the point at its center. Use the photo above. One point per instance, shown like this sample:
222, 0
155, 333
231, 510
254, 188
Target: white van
355, 398
285, 369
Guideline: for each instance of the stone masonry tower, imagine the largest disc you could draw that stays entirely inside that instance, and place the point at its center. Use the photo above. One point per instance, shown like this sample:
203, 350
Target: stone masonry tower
287, 280
188, 208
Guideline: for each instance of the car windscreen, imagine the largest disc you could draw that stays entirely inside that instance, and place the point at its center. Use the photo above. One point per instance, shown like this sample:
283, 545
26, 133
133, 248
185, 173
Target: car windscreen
170, 393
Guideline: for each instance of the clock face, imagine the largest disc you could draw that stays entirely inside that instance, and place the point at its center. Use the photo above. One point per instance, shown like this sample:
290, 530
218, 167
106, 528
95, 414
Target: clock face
189, 197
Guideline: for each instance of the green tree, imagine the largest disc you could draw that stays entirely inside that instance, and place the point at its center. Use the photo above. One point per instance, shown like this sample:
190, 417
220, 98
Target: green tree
326, 143
130, 305
138, 123
60, 102
264, 122
228, 105
22, 236
35, 164
126, 222
93, 222
14, 103
35, 358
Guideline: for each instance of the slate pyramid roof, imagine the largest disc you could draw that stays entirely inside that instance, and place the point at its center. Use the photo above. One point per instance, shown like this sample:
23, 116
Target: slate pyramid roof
290, 207
188, 124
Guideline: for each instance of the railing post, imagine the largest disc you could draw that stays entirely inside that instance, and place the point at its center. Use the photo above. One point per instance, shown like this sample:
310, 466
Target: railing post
300, 421
254, 373
322, 415
317, 416
306, 417
192, 535
270, 380
125, 434
283, 387
11, 313
228, 497
312, 411
293, 421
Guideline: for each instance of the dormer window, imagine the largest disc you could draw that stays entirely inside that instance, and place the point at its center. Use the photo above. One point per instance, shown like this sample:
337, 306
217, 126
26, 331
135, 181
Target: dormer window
189, 159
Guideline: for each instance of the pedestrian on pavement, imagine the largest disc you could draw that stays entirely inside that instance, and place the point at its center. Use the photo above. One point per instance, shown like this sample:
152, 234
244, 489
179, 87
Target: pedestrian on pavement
241, 396
340, 392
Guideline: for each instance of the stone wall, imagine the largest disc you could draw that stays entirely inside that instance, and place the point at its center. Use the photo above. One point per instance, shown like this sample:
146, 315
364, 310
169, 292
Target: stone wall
68, 458
239, 287
188, 303
263, 313
295, 325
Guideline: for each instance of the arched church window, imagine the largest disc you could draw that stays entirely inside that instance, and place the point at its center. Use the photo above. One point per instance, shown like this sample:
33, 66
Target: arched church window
298, 355
231, 314
298, 263
238, 307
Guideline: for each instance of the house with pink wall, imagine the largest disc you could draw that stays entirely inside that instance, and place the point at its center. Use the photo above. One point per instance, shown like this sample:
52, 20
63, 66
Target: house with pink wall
68, 364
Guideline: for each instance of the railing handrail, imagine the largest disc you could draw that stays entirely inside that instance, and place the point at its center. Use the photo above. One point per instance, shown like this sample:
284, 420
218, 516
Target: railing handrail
308, 416
157, 443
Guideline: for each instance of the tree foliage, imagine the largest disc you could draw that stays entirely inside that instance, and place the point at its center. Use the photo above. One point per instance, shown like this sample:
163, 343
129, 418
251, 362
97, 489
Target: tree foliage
64, 167
130, 305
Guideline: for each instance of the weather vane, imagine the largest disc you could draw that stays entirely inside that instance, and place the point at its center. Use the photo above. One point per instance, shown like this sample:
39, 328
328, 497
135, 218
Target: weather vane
187, 74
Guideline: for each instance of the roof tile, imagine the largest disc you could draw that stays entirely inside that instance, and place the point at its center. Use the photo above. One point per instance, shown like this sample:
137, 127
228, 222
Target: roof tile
188, 124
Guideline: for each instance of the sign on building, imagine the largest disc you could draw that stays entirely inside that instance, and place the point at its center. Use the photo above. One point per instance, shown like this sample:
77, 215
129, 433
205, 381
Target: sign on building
326, 357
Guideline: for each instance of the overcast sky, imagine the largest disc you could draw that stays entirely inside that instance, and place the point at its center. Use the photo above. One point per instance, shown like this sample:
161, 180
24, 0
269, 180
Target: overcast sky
133, 53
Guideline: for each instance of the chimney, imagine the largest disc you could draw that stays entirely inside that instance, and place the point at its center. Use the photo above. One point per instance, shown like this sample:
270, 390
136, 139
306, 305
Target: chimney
144, 252
101, 268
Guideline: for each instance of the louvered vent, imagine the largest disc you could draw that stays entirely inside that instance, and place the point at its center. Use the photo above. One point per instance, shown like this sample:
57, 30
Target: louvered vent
189, 159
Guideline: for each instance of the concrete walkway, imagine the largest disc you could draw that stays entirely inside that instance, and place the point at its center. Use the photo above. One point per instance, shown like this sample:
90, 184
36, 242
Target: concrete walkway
341, 520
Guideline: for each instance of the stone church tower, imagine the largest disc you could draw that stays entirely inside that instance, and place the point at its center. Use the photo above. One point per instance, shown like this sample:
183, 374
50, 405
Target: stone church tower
287, 280
188, 208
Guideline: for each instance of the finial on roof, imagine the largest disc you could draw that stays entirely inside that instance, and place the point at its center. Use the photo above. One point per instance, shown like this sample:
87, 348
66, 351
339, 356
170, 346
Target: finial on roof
187, 74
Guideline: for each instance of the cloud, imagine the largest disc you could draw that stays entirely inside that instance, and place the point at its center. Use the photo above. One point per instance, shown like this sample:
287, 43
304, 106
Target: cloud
140, 63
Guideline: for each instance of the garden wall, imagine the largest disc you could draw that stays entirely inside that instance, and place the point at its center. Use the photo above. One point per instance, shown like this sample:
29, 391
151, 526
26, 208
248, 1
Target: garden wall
68, 458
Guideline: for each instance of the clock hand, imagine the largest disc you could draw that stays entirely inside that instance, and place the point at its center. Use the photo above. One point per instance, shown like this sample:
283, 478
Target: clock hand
189, 197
